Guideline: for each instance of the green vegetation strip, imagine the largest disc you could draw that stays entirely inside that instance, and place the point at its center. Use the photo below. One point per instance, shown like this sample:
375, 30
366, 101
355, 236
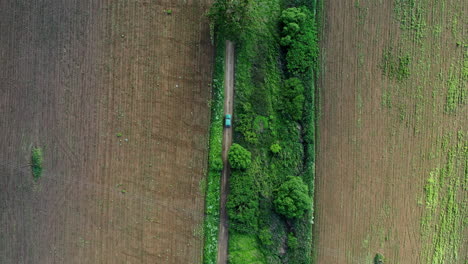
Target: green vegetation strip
273, 161
215, 162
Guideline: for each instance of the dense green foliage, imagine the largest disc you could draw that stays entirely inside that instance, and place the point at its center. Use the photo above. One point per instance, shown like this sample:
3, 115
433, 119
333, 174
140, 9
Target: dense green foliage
215, 162
292, 198
242, 204
275, 121
229, 17
239, 157
275, 148
293, 98
379, 259
36, 162
292, 241
299, 36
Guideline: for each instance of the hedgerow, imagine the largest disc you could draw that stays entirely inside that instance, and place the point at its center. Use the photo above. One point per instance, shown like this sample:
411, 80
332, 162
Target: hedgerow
274, 108
215, 163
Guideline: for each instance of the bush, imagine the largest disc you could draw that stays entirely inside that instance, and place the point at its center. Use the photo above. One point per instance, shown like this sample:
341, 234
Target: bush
229, 17
292, 241
242, 204
299, 36
292, 19
265, 237
217, 164
239, 157
246, 122
36, 162
293, 98
379, 259
292, 198
275, 148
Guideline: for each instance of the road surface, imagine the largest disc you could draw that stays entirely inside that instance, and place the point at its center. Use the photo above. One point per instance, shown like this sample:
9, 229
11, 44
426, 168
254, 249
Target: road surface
227, 140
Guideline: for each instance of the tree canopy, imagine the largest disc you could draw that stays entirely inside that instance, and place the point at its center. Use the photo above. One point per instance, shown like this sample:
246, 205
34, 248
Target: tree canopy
229, 16
292, 198
239, 157
299, 36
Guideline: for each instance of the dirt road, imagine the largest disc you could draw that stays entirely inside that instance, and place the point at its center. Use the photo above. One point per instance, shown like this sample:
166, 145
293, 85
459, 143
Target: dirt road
227, 139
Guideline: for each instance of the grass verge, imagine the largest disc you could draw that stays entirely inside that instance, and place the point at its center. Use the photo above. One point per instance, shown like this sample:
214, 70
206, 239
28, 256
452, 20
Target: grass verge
215, 164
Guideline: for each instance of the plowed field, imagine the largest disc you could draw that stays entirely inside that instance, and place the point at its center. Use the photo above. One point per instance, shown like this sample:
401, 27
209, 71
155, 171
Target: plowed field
393, 115
117, 95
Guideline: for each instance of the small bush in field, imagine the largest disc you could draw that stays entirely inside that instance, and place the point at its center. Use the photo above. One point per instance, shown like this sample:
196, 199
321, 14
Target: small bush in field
36, 162
379, 259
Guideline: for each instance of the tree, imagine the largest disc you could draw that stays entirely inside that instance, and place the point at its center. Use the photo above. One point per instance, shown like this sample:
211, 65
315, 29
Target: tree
229, 17
292, 198
292, 19
217, 163
293, 98
299, 36
239, 157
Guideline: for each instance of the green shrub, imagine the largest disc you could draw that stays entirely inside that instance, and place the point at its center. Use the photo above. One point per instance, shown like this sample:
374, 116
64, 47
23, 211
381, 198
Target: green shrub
299, 36
275, 148
293, 98
292, 241
229, 17
292, 19
260, 124
239, 157
379, 259
403, 67
36, 162
217, 164
265, 237
292, 198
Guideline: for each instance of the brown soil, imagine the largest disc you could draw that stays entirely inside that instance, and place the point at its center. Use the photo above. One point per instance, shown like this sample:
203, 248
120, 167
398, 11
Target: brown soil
373, 158
73, 75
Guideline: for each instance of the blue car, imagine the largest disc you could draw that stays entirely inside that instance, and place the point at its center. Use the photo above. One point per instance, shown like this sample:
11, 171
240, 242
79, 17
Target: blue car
227, 121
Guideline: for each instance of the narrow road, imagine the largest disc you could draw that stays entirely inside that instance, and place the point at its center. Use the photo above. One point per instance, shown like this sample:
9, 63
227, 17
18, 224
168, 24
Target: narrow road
227, 140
